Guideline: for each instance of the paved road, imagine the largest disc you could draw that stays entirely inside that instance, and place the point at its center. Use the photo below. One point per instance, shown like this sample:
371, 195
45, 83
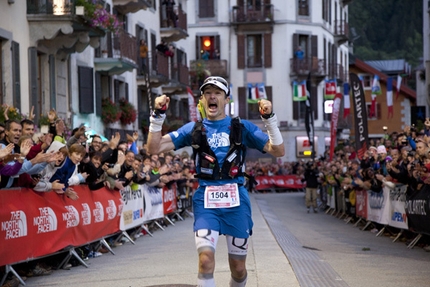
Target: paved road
289, 248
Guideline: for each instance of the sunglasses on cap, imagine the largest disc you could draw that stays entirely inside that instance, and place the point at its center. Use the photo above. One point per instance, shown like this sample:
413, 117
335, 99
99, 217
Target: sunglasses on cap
216, 81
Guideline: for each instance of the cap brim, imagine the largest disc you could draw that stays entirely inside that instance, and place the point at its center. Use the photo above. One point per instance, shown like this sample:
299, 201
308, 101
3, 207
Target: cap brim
215, 83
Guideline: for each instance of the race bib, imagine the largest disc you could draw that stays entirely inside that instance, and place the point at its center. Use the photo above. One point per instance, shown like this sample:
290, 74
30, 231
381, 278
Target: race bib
223, 196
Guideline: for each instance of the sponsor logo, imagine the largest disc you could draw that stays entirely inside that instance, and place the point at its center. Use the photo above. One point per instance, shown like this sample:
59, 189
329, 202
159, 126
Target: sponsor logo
46, 221
71, 217
98, 213
111, 209
16, 226
86, 214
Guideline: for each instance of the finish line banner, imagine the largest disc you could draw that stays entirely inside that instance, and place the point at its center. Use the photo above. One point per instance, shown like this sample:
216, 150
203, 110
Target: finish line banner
34, 224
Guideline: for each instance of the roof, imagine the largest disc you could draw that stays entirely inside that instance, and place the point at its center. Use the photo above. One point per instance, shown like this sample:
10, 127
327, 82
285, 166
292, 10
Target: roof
390, 67
366, 68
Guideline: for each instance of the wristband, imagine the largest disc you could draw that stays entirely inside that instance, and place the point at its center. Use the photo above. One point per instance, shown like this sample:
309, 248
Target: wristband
156, 122
273, 132
265, 116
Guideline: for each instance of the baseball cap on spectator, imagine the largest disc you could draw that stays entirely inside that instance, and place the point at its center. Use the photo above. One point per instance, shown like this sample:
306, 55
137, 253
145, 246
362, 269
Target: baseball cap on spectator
372, 147
408, 148
381, 149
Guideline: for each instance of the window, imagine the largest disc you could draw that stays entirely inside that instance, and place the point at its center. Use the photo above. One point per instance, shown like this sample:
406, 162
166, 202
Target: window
254, 49
120, 90
206, 9
303, 6
366, 80
376, 115
250, 110
207, 47
253, 5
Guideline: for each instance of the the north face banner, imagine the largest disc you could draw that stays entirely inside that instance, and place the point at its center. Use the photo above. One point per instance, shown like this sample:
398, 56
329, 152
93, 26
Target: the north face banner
34, 224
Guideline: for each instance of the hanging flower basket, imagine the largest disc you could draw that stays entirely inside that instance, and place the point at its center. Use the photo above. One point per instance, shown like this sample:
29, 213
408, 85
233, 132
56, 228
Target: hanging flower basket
128, 112
110, 111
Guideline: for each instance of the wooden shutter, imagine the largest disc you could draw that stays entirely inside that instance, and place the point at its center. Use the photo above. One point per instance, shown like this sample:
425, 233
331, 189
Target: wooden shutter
269, 93
206, 9
32, 63
98, 78
378, 111
116, 90
314, 48
241, 51
16, 78
243, 102
126, 92
86, 96
52, 82
296, 109
198, 55
267, 50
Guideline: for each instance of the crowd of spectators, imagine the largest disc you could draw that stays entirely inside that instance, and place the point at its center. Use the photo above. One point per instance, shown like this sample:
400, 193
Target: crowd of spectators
53, 163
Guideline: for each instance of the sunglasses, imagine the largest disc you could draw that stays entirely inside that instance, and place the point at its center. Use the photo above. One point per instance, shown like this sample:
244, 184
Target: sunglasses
219, 79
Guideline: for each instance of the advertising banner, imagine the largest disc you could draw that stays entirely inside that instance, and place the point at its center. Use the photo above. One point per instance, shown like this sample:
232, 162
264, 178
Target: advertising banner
398, 217
361, 203
153, 203
169, 199
418, 210
132, 214
279, 181
34, 224
379, 206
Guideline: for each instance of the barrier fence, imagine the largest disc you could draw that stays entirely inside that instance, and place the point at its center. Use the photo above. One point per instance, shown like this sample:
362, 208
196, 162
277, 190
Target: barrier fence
399, 208
279, 182
35, 224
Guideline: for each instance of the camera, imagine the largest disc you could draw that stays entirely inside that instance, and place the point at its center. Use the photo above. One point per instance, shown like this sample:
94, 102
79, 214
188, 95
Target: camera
111, 165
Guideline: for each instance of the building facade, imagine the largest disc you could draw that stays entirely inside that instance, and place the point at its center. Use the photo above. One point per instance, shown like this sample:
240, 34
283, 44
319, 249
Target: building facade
254, 43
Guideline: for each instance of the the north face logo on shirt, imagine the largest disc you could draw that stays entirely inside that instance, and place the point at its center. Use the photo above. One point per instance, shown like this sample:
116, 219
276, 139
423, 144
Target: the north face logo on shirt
219, 140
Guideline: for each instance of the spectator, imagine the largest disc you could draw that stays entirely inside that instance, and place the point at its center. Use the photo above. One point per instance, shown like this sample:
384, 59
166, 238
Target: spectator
311, 177
143, 53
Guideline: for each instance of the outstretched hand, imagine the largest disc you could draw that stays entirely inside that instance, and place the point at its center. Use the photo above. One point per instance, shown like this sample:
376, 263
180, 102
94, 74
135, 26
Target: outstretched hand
265, 107
161, 102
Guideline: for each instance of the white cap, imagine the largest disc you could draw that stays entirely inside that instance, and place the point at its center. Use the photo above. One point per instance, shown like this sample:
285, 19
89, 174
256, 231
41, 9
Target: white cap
216, 81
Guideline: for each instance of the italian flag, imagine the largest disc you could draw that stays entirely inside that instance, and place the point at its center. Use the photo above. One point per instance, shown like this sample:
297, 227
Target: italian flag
299, 91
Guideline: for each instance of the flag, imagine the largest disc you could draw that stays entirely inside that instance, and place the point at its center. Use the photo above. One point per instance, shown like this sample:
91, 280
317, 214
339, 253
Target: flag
334, 120
309, 117
330, 89
360, 116
192, 108
299, 91
390, 97
376, 90
261, 91
252, 94
376, 87
399, 85
346, 102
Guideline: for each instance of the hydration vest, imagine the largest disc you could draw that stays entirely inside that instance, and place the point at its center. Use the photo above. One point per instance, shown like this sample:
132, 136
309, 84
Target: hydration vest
206, 159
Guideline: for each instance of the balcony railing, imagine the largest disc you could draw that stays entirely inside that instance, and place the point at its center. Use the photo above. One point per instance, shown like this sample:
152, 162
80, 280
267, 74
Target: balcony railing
158, 64
56, 7
337, 71
241, 14
124, 46
179, 72
173, 17
341, 28
313, 65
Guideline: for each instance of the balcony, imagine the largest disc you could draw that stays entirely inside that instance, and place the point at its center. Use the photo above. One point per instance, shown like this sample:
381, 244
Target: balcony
301, 68
338, 72
131, 6
56, 29
178, 78
199, 69
173, 26
341, 31
118, 57
158, 70
241, 15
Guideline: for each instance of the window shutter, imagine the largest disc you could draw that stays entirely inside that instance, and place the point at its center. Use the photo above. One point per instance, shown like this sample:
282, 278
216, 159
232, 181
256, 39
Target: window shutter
296, 108
116, 90
52, 81
99, 94
267, 50
32, 62
314, 47
241, 51
206, 9
16, 76
269, 93
198, 56
126, 92
242, 102
378, 111
86, 97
